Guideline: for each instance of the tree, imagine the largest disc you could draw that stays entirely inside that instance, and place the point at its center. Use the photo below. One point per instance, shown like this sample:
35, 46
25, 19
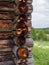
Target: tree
42, 35
33, 34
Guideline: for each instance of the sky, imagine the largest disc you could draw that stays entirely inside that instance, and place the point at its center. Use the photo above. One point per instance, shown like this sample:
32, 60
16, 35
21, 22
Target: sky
40, 15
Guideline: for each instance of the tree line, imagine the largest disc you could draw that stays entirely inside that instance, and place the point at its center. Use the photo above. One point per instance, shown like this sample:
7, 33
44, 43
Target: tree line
39, 34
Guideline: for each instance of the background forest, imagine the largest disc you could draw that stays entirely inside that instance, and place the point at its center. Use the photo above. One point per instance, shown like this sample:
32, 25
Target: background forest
40, 34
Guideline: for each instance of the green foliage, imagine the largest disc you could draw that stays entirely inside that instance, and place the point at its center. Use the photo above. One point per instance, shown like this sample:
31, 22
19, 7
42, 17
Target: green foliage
33, 33
41, 55
39, 34
42, 35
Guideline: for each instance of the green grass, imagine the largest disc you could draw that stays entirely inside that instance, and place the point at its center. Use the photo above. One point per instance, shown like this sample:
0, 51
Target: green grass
42, 43
41, 55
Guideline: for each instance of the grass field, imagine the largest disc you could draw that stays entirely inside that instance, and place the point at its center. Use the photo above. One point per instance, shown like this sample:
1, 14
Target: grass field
41, 53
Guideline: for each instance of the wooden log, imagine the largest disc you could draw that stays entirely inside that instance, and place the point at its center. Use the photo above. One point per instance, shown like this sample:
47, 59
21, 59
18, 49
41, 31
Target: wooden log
7, 63
6, 58
7, 4
6, 35
6, 9
5, 53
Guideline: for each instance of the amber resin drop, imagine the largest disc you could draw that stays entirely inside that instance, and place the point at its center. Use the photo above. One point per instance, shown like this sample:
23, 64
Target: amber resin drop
22, 53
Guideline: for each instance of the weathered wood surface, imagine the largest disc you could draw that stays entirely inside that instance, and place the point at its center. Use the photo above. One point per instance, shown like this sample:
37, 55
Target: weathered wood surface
6, 53
7, 49
29, 45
